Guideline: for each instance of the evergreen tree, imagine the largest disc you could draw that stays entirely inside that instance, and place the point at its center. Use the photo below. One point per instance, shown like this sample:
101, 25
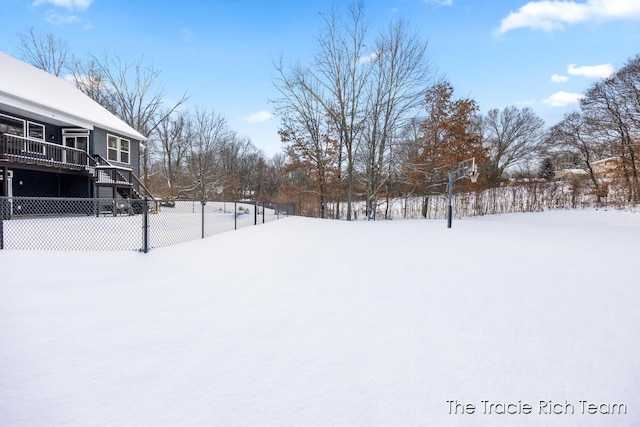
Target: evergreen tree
547, 169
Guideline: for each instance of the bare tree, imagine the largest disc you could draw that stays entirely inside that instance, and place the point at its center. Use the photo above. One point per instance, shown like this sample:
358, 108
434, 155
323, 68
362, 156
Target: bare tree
89, 79
238, 174
130, 91
408, 171
252, 173
512, 135
45, 51
399, 76
340, 70
174, 136
365, 93
306, 129
572, 135
203, 169
274, 179
606, 110
628, 79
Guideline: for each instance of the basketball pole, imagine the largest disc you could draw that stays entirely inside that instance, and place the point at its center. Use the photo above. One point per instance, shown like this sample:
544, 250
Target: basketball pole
450, 196
462, 171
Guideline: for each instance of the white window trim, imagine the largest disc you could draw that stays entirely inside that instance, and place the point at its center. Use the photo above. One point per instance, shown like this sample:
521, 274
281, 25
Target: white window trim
119, 149
27, 141
19, 120
44, 130
75, 134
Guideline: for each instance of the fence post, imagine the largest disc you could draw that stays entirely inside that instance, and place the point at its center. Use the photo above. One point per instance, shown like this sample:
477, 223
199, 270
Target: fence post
235, 215
255, 212
1, 223
263, 212
145, 225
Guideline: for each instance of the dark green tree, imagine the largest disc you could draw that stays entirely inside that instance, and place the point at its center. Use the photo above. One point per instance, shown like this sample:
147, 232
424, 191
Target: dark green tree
547, 169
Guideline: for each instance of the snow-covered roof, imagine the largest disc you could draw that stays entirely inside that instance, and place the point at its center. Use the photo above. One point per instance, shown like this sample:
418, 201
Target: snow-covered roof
27, 90
613, 159
574, 171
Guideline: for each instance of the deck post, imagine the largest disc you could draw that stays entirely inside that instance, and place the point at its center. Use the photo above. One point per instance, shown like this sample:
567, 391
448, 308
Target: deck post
5, 182
2, 199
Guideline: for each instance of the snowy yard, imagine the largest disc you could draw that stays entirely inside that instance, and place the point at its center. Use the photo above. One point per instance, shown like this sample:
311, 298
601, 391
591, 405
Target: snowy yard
305, 322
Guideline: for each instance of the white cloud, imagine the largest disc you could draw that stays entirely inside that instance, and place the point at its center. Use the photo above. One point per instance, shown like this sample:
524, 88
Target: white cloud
68, 4
262, 116
56, 19
64, 19
598, 71
368, 58
561, 99
440, 2
557, 78
549, 15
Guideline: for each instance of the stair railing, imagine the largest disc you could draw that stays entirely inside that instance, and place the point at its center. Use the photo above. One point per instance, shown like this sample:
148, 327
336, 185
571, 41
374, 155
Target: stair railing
120, 174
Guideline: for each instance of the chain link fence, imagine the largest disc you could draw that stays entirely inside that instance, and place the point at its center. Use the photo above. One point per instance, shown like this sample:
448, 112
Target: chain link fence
123, 224
525, 197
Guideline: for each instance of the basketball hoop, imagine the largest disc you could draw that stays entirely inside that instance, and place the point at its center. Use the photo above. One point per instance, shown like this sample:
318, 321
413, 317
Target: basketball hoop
465, 169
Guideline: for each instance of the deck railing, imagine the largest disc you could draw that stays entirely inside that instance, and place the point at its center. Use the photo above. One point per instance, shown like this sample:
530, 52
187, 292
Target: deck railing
109, 174
28, 150
32, 151
114, 175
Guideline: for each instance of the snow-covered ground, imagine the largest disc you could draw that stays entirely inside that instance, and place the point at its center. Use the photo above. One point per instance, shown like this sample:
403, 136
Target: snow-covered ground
305, 322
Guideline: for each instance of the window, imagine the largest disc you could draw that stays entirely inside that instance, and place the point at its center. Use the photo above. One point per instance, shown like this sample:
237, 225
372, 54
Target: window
35, 131
11, 125
118, 149
76, 138
124, 151
112, 148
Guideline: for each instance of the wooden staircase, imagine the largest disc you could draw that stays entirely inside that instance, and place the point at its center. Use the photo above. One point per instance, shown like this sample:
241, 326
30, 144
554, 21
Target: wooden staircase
123, 182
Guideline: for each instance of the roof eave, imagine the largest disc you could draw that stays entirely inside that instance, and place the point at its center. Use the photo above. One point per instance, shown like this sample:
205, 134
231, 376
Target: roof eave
20, 105
58, 117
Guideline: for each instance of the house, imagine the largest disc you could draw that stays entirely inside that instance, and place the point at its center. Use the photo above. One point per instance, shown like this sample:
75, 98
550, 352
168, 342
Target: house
610, 167
57, 142
573, 174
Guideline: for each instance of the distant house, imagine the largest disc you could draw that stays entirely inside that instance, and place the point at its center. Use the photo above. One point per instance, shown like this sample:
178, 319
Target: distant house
57, 142
571, 174
607, 168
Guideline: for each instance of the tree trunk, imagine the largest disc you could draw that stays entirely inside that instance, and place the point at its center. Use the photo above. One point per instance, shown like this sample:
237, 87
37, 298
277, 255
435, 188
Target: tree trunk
349, 187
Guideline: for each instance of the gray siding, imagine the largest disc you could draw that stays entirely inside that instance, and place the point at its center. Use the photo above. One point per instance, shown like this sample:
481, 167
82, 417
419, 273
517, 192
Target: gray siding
100, 147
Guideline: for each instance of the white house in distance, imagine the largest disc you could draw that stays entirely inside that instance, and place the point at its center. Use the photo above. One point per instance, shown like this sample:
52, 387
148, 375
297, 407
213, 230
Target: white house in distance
57, 142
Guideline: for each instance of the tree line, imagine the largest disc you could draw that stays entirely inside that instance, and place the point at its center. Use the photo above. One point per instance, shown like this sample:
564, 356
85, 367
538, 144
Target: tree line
367, 119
